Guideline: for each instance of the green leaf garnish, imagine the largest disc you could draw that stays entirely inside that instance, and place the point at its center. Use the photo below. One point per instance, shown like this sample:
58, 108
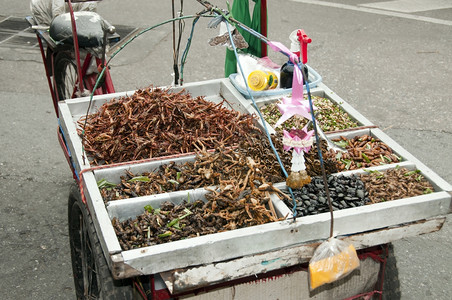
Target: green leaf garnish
365, 157
428, 191
164, 235
342, 143
347, 163
140, 179
411, 172
103, 183
173, 222
149, 208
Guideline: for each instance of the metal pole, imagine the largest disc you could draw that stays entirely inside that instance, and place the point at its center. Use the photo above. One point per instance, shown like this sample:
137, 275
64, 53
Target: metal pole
76, 47
263, 26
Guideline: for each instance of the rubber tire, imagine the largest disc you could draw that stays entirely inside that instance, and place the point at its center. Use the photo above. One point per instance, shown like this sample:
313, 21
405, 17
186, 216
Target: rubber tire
391, 284
65, 73
88, 261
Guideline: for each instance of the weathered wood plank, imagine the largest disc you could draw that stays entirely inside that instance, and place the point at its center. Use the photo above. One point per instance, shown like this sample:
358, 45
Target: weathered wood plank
183, 280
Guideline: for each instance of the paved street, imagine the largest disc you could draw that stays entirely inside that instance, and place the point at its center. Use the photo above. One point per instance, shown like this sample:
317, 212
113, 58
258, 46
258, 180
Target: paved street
388, 59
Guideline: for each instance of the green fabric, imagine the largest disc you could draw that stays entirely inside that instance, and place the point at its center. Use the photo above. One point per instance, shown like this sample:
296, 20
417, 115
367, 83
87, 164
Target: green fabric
241, 12
254, 42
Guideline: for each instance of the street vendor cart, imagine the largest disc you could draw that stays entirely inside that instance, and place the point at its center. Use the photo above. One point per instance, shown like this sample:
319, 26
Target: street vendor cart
176, 194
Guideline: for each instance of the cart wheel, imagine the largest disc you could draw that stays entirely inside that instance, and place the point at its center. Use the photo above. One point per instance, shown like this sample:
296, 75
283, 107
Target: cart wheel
92, 277
65, 75
391, 284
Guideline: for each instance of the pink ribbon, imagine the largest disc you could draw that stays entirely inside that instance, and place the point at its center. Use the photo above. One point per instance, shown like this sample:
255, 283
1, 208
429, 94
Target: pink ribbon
297, 81
295, 105
291, 107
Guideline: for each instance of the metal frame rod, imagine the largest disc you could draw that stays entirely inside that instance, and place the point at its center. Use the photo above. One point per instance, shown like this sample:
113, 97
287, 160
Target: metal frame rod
76, 47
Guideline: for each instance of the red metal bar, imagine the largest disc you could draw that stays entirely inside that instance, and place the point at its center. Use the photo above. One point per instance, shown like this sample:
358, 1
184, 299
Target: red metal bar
368, 295
57, 97
86, 64
66, 152
139, 289
90, 82
76, 47
108, 85
263, 27
158, 294
383, 269
49, 81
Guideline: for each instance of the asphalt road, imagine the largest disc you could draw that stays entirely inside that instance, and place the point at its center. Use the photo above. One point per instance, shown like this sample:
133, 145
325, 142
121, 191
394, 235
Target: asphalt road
392, 63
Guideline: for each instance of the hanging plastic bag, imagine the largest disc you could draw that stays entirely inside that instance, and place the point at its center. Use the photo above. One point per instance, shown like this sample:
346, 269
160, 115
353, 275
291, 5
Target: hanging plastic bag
332, 260
224, 40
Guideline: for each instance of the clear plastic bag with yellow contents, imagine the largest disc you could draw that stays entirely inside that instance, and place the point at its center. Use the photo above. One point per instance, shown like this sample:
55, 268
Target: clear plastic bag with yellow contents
332, 260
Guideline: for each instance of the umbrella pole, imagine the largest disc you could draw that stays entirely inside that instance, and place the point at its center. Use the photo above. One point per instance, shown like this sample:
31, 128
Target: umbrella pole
263, 26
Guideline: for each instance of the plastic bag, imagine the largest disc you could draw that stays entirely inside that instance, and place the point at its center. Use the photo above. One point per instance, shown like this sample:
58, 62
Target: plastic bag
45, 10
332, 260
223, 38
252, 63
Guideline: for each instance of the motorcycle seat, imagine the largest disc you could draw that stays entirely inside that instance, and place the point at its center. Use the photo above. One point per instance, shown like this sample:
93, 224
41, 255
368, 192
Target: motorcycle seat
90, 28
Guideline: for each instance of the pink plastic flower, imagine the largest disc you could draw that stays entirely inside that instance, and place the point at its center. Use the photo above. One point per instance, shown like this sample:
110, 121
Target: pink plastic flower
298, 139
